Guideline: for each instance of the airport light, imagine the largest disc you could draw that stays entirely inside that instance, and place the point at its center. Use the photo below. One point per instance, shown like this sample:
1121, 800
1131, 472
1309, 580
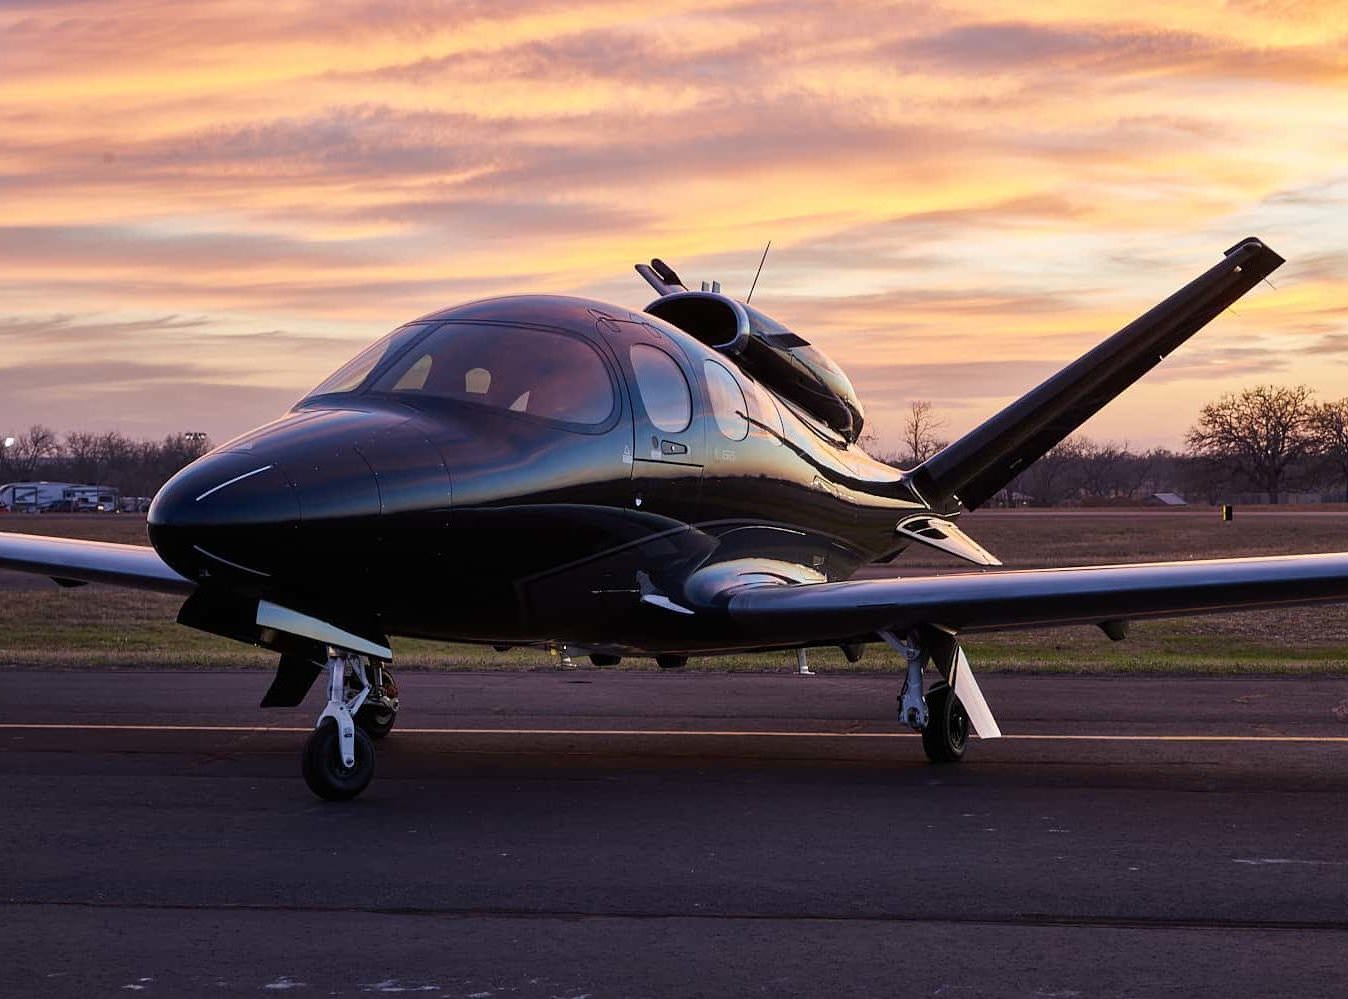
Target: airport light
9, 442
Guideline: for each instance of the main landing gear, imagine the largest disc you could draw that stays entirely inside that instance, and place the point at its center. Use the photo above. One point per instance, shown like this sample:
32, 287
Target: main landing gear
941, 716
947, 729
338, 760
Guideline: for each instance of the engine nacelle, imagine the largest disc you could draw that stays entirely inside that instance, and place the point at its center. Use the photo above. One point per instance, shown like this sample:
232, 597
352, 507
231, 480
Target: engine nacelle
783, 361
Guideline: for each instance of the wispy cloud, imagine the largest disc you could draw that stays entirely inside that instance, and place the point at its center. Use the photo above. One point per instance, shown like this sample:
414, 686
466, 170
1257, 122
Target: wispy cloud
221, 201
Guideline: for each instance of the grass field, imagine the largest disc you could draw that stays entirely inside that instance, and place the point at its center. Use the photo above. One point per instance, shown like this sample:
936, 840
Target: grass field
41, 624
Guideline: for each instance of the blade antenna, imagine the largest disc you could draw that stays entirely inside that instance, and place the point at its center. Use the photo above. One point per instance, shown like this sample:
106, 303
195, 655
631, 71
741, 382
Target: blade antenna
758, 272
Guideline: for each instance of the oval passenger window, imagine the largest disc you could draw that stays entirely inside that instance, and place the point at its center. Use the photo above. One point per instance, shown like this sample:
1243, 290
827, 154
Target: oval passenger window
663, 388
727, 402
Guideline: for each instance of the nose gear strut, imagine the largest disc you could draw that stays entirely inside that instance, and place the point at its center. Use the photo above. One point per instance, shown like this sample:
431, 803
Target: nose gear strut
338, 760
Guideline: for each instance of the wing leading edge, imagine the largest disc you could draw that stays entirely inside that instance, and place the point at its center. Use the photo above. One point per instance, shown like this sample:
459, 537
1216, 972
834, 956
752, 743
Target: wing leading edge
1029, 598
66, 559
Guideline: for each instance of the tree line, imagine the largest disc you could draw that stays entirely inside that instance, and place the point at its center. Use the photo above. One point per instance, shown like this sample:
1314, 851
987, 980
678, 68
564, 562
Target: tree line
1268, 439
133, 467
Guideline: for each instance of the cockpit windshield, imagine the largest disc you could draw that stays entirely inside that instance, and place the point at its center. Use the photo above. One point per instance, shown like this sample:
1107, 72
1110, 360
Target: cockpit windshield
351, 375
523, 370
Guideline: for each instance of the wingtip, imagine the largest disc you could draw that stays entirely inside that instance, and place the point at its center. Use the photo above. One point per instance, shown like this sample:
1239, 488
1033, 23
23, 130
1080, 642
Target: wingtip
1256, 244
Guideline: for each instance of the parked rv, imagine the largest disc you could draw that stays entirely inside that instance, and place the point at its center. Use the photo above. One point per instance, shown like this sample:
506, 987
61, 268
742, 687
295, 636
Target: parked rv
53, 497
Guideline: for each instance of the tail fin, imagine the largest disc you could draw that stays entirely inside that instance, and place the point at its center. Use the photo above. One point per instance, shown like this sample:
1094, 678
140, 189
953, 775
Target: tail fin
986, 459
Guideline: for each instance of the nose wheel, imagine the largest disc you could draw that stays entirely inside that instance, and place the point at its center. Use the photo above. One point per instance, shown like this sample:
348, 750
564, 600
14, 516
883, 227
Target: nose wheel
324, 770
338, 759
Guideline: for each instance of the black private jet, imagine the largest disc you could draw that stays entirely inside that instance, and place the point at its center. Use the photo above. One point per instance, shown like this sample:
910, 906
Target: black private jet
682, 480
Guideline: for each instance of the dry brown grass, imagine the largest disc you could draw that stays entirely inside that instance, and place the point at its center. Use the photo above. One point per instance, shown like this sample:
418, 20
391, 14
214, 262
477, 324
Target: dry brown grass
102, 626
123, 528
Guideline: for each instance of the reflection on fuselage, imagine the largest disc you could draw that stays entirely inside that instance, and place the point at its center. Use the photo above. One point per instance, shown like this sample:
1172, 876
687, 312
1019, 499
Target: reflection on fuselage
488, 470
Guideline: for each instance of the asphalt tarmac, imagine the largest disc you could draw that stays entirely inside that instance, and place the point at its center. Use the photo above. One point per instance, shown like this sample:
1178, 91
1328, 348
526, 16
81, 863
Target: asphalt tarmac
609, 834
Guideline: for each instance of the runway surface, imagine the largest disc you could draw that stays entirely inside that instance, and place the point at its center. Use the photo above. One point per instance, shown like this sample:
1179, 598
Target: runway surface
596, 833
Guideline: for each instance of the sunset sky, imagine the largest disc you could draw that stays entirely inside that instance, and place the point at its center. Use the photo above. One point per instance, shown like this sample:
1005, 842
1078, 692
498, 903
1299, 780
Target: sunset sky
207, 207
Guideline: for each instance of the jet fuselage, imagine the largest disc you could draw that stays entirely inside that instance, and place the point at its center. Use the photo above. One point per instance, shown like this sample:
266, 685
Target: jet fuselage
528, 469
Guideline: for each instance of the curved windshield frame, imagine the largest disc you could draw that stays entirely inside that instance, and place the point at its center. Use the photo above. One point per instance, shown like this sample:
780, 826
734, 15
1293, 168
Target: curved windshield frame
527, 371
356, 372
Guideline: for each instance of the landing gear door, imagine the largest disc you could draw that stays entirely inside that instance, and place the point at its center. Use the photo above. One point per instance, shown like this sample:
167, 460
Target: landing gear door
668, 440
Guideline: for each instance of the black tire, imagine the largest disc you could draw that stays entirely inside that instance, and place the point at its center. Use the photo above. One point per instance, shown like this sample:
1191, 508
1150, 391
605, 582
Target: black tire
671, 661
376, 718
603, 659
323, 769
947, 731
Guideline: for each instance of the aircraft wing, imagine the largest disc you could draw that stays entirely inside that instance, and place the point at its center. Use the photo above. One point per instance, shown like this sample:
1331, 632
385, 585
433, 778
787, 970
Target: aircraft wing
70, 561
997, 601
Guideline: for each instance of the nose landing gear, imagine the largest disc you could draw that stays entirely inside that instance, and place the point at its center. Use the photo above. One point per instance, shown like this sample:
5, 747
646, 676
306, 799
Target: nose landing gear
338, 760
325, 769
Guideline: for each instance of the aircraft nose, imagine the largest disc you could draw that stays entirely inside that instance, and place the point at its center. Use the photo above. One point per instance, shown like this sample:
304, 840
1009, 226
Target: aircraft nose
229, 513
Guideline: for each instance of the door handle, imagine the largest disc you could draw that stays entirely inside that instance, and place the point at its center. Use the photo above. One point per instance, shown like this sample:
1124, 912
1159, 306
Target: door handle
673, 447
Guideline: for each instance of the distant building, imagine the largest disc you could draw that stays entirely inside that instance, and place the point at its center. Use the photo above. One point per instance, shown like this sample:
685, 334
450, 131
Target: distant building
1165, 499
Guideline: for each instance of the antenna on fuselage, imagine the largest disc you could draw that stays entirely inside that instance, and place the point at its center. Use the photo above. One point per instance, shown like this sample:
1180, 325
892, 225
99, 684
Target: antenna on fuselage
758, 272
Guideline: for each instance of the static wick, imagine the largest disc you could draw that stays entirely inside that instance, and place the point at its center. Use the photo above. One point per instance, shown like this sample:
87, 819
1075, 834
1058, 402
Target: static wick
758, 272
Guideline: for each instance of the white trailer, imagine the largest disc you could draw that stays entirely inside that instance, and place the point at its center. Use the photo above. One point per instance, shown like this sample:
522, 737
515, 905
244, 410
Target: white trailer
42, 497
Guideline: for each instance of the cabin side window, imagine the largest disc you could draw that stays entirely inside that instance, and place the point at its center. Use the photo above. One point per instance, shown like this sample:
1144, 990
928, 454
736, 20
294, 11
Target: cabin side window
763, 412
663, 388
535, 372
727, 402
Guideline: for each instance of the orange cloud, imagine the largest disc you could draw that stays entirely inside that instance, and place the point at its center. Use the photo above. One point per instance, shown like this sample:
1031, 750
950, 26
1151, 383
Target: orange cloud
950, 191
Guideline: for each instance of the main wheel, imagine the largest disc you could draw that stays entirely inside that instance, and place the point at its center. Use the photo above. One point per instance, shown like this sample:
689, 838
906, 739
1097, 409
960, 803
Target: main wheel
322, 765
947, 729
376, 718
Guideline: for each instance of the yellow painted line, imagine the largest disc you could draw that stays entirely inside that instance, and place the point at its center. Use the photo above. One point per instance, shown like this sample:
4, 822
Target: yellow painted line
666, 733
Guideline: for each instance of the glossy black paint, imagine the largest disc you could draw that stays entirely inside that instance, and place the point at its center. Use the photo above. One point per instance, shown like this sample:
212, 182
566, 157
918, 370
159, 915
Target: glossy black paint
447, 519
388, 510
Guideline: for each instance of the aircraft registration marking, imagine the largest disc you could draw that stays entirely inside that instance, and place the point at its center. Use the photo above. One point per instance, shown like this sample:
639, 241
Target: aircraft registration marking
713, 733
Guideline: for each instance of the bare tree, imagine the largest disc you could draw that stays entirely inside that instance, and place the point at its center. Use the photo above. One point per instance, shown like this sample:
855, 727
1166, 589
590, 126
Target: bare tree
1055, 476
920, 432
136, 468
1137, 469
1103, 468
1261, 432
82, 456
1205, 478
1329, 422
30, 450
